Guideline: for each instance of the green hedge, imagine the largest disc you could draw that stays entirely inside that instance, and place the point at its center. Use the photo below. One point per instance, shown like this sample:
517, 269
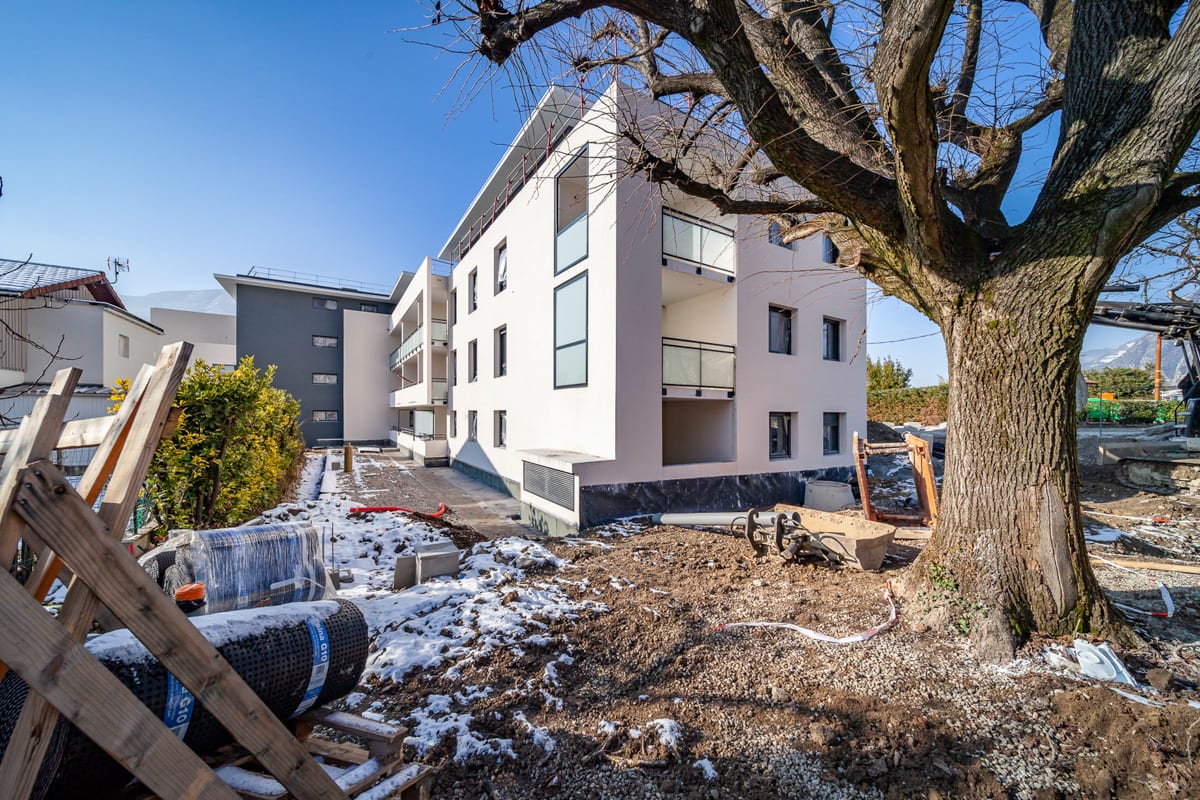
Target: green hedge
926, 404
1147, 412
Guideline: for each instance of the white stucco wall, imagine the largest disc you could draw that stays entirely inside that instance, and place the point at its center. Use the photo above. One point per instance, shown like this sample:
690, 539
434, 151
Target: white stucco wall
366, 379
145, 343
213, 336
81, 329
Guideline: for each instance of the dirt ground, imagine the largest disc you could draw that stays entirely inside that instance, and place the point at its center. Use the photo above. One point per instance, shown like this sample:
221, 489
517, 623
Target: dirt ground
770, 713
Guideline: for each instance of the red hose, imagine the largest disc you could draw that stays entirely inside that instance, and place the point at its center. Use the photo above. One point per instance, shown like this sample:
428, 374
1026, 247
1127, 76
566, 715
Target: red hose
378, 509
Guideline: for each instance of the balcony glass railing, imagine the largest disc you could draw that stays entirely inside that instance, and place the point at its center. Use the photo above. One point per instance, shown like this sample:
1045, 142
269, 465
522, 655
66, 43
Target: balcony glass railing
411, 344
438, 391
439, 331
693, 240
697, 365
571, 244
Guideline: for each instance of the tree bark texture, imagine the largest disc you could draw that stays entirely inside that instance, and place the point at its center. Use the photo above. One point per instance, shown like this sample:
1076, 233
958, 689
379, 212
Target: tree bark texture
1009, 530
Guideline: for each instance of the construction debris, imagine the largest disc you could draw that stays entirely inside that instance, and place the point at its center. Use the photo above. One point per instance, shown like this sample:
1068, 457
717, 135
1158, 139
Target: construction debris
920, 455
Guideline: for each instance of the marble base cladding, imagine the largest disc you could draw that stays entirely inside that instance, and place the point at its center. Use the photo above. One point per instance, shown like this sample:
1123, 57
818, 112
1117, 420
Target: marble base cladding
497, 482
600, 504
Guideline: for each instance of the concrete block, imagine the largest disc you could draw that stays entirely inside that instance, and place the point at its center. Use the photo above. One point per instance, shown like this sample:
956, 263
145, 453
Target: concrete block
406, 573
436, 559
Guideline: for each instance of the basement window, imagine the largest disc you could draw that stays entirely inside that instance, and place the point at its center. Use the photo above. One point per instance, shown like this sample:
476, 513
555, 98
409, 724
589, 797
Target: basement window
330, 415
327, 378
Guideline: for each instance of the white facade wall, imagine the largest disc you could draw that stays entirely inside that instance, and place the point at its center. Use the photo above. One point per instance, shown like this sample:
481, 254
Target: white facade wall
144, 344
213, 336
611, 431
81, 329
366, 379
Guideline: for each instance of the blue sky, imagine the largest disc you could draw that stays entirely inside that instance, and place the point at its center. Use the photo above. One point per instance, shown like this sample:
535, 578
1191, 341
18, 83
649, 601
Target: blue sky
201, 137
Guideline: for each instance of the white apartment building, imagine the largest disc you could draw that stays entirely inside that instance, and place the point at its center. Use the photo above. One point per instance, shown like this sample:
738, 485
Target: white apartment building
609, 350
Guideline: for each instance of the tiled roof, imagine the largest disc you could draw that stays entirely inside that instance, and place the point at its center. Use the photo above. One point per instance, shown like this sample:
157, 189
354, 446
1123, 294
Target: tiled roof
17, 277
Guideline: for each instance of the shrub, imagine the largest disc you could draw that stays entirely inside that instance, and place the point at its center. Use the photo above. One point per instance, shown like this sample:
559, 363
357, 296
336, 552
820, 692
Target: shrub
926, 404
886, 374
235, 451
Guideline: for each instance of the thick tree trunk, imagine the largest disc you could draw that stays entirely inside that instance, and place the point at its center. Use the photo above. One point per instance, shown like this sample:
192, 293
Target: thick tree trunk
1010, 533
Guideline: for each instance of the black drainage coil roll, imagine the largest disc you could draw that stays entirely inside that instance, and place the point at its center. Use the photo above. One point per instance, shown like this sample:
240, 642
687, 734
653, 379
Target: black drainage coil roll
295, 657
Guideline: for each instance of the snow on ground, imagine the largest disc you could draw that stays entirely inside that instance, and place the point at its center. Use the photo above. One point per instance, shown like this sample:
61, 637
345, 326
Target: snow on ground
437, 629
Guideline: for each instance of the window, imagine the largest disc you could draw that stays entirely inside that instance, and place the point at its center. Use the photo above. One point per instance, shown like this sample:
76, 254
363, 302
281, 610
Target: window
327, 303
472, 360
829, 251
831, 436
501, 267
775, 235
779, 334
453, 424
501, 346
570, 333
324, 377
325, 341
570, 213
831, 346
453, 308
452, 367
123, 345
472, 294
501, 425
371, 307
781, 435
325, 416
472, 425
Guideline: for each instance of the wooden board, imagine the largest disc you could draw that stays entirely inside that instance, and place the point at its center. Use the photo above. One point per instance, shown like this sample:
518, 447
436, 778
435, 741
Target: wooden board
120, 460
58, 668
51, 506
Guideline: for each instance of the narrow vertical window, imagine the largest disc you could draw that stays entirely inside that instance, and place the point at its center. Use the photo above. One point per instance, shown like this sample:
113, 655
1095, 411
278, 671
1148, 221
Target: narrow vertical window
472, 293
501, 425
831, 339
472, 360
780, 435
453, 424
453, 307
570, 213
452, 367
831, 434
472, 425
501, 348
779, 322
571, 333
501, 267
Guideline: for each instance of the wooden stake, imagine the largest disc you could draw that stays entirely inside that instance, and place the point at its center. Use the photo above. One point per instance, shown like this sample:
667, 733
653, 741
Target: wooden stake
56, 666
51, 507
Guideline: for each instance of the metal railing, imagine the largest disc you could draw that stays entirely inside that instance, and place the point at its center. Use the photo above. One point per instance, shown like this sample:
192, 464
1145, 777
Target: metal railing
313, 279
697, 241
691, 364
515, 182
425, 437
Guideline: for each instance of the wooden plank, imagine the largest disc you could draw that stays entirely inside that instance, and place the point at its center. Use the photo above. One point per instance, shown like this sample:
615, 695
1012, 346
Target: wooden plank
76, 434
336, 751
139, 422
860, 470
51, 506
99, 468
1158, 566
56, 666
35, 440
358, 726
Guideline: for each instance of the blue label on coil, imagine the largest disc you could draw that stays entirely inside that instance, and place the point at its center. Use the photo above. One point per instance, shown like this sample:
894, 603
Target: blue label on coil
320, 665
177, 714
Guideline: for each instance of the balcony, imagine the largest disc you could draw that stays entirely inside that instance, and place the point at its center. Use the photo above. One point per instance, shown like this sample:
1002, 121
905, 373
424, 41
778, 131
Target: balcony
427, 448
697, 242
413, 343
571, 243
697, 366
438, 392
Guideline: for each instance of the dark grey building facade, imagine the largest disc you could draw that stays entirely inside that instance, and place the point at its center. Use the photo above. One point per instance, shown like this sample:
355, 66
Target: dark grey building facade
298, 327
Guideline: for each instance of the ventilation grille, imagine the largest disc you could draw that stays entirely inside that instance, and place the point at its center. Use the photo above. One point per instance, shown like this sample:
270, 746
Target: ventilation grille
551, 484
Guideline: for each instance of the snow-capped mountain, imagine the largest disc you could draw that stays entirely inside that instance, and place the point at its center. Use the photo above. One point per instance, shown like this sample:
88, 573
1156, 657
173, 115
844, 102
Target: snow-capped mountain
211, 301
1138, 353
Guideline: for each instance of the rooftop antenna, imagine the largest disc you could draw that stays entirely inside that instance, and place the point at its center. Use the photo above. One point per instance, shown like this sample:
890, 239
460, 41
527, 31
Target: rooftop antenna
116, 266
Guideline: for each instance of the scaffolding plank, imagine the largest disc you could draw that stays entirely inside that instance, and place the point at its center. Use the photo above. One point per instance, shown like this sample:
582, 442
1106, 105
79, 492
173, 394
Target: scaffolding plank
95, 701
122, 458
52, 507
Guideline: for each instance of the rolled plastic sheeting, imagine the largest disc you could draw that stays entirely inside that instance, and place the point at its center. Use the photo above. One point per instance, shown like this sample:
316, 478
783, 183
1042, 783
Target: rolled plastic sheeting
243, 567
294, 657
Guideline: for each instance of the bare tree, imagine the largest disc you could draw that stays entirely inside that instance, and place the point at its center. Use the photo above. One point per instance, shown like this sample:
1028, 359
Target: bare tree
906, 122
